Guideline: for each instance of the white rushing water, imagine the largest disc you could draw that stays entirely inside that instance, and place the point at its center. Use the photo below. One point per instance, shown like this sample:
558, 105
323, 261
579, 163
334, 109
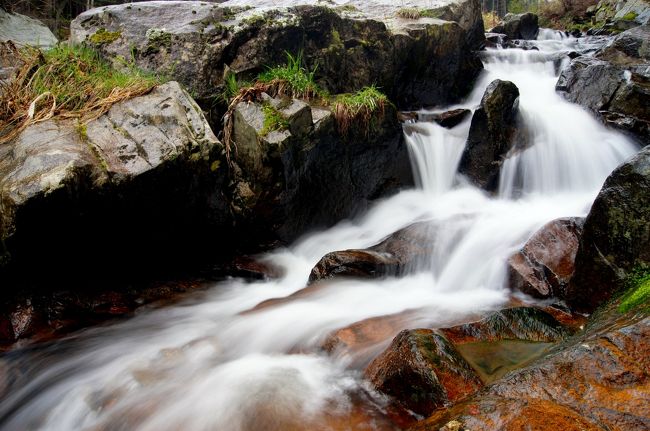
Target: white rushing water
211, 364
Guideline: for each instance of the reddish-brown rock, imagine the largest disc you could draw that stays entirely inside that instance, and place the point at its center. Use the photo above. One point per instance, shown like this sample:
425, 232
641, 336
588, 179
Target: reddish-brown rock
423, 371
598, 380
545, 265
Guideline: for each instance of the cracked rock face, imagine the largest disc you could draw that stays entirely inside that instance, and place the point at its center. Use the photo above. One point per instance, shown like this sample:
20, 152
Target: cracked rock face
68, 189
416, 62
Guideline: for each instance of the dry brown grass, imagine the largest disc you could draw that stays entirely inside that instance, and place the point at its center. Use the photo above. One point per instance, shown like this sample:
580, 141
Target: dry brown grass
65, 82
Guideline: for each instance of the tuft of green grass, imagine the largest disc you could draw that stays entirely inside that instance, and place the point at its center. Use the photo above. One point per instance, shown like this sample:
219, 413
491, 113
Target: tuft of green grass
638, 291
273, 120
68, 81
359, 108
291, 79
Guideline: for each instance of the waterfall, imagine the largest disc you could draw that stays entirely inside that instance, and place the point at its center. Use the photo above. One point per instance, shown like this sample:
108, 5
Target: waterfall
231, 359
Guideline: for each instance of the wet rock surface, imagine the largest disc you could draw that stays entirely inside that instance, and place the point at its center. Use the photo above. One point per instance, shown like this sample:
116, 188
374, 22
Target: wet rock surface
522, 26
493, 133
423, 372
415, 62
619, 89
518, 323
616, 235
597, 380
401, 250
72, 196
545, 265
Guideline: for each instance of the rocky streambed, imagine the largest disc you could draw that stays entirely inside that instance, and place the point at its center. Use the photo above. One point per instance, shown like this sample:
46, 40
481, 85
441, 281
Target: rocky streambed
489, 297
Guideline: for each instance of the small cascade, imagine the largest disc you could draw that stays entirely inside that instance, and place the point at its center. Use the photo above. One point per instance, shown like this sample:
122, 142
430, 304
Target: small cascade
246, 356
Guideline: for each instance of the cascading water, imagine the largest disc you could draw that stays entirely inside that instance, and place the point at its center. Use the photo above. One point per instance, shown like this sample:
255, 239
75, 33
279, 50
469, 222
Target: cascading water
228, 360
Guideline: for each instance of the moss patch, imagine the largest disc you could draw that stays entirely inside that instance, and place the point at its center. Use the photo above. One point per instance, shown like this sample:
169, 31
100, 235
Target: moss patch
638, 292
102, 36
417, 13
273, 120
630, 16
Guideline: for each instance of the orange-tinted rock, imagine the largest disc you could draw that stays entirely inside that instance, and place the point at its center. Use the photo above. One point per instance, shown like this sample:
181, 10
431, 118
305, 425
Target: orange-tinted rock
544, 266
364, 340
423, 371
599, 381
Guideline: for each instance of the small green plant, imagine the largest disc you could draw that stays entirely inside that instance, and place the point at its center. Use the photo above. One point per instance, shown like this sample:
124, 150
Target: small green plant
273, 120
69, 81
291, 79
638, 291
360, 107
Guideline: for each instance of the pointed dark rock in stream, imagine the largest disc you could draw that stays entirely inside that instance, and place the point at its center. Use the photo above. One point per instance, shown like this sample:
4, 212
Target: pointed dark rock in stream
616, 236
423, 371
493, 133
544, 266
518, 26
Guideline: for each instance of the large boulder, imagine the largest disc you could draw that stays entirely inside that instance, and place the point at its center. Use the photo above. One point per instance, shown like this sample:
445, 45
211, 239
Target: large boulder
126, 190
492, 134
598, 380
544, 266
23, 30
420, 62
618, 77
306, 173
519, 26
616, 236
422, 371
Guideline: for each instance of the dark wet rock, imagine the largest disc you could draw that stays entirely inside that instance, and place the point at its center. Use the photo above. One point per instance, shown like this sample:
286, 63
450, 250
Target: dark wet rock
518, 323
400, 250
422, 371
495, 39
448, 119
23, 30
308, 175
354, 263
544, 266
519, 26
616, 236
417, 63
598, 380
619, 83
493, 133
144, 174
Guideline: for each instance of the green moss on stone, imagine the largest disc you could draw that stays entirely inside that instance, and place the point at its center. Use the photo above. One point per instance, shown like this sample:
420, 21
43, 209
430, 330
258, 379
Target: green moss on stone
638, 292
273, 120
102, 36
630, 16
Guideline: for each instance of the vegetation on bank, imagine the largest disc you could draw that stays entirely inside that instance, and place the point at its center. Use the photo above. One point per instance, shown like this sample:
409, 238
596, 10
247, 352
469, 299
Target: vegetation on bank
294, 80
67, 81
638, 291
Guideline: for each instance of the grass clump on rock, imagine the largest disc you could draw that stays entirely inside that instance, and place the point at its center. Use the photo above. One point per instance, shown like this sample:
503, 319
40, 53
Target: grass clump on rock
67, 82
359, 108
291, 79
